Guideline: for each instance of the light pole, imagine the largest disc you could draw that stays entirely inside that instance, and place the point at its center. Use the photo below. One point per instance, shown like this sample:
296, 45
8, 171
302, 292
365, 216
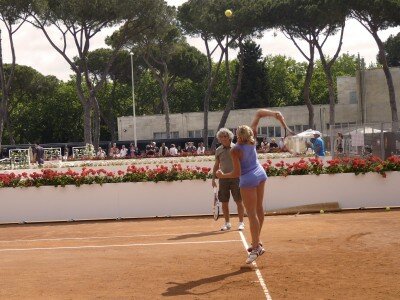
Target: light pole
133, 103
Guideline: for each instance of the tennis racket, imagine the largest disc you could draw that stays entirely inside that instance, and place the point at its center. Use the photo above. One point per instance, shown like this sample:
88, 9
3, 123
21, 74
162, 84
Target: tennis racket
216, 205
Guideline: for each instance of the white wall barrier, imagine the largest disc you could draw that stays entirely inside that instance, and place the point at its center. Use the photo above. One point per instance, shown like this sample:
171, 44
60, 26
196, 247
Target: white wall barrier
136, 200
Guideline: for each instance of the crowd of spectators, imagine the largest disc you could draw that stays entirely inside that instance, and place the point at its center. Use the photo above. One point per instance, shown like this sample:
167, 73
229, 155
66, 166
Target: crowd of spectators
151, 150
154, 149
272, 146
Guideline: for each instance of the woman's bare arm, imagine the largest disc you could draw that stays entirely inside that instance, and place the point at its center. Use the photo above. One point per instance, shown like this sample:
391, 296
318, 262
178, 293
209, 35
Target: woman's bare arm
263, 113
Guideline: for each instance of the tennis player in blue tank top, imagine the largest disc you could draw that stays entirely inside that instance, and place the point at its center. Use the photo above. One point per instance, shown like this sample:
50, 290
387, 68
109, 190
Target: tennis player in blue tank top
252, 177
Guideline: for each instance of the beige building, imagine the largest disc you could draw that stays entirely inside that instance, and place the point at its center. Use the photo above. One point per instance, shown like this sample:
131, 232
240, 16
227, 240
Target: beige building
361, 99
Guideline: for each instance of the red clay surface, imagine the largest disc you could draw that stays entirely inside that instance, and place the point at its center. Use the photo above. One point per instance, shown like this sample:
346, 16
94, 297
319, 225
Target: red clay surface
327, 256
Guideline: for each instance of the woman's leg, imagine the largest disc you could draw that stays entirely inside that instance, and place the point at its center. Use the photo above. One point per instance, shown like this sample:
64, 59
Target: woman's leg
260, 203
249, 197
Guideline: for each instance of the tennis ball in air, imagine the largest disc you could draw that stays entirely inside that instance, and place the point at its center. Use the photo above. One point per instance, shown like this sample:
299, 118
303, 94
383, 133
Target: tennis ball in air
228, 13
387, 208
321, 211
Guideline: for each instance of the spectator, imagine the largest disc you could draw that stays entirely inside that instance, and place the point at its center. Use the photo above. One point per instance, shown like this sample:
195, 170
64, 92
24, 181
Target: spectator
264, 145
173, 150
39, 155
101, 153
65, 154
131, 150
137, 152
339, 144
179, 148
114, 151
281, 144
156, 149
318, 145
191, 148
151, 149
273, 145
201, 148
124, 151
163, 150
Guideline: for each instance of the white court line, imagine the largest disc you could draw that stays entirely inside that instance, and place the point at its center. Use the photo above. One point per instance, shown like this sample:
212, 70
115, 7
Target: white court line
103, 237
257, 270
114, 246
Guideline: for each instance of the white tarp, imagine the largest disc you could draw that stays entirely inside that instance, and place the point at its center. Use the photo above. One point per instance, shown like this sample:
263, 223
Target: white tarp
309, 133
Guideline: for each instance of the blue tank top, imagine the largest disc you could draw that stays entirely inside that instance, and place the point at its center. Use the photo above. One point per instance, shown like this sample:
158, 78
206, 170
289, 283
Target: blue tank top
249, 161
252, 173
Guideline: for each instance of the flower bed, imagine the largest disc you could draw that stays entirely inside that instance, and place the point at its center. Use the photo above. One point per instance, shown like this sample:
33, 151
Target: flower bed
48, 177
334, 166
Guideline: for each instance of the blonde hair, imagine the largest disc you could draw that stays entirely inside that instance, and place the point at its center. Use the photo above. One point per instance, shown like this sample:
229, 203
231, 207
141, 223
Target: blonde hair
246, 135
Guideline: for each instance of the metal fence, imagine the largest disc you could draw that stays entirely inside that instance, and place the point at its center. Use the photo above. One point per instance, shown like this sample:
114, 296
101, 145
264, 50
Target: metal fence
378, 139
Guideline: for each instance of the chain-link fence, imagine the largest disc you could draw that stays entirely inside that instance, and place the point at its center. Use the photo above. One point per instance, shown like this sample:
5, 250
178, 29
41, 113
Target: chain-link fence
378, 139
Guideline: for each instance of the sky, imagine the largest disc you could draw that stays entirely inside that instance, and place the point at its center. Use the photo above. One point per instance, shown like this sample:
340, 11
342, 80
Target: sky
32, 48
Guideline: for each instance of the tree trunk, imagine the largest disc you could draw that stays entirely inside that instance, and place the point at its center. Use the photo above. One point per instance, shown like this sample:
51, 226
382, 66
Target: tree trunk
1, 123
206, 108
389, 81
332, 98
307, 88
87, 122
96, 121
4, 100
111, 125
110, 120
164, 97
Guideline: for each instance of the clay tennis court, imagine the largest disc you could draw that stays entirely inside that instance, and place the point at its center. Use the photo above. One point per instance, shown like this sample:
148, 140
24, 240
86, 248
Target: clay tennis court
316, 256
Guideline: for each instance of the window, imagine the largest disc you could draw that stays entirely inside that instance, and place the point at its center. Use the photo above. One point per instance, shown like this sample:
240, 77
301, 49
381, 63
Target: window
174, 134
278, 131
344, 125
270, 131
263, 131
199, 133
299, 128
163, 135
159, 135
195, 133
353, 97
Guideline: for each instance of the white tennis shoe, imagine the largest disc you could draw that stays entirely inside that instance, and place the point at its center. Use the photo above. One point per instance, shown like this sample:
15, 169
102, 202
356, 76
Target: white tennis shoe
226, 226
241, 226
254, 254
